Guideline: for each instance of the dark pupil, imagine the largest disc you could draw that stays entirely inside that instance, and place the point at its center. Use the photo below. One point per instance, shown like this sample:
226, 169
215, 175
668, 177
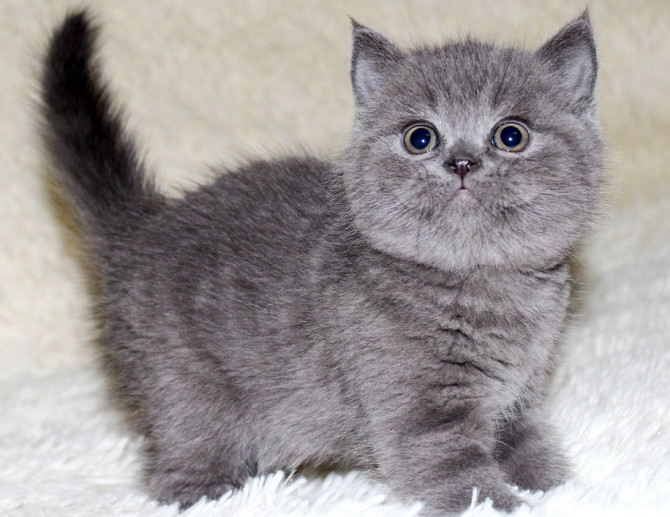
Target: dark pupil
511, 136
420, 138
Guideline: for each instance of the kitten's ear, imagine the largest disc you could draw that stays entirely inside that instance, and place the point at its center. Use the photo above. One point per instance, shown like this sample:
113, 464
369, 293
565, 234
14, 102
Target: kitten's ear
571, 53
372, 58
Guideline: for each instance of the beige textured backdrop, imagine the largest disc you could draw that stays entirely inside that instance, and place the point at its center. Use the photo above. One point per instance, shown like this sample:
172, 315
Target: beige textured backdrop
207, 82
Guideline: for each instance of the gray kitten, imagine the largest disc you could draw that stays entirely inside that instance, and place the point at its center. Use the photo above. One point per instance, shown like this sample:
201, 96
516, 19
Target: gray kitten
397, 308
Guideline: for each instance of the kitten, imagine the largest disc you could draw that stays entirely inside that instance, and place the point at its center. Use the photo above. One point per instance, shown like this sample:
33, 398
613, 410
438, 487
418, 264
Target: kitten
397, 308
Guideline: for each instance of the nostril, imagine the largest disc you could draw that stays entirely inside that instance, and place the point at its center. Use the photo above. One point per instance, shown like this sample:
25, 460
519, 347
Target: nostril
462, 165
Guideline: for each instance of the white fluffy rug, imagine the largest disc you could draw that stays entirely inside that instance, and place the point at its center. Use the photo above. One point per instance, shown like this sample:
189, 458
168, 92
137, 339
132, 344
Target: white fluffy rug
219, 80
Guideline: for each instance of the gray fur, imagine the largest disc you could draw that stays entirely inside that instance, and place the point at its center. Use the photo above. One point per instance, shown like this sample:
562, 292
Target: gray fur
359, 312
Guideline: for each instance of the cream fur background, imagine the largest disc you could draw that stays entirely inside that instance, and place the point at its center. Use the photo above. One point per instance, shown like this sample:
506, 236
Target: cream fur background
213, 81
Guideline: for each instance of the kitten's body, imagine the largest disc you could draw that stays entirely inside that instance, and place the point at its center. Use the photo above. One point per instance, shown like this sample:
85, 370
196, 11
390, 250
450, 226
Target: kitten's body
364, 311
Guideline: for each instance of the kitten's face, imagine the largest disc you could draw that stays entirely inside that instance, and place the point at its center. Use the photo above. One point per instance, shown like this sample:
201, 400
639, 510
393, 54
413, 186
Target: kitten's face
472, 155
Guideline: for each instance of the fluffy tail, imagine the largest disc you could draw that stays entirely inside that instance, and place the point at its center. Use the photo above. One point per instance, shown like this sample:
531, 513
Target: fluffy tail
95, 162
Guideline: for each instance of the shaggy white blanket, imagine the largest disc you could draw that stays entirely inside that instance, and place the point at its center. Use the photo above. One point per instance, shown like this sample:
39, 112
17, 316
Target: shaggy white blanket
209, 80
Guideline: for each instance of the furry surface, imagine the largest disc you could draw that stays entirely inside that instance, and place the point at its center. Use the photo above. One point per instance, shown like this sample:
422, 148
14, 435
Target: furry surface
192, 78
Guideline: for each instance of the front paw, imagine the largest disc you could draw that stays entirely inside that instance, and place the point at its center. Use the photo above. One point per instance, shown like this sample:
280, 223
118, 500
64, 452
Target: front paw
537, 477
454, 501
503, 498
528, 454
536, 468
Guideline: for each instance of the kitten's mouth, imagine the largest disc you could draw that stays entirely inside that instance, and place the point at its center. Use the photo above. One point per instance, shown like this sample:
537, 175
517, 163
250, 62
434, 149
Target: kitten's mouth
463, 192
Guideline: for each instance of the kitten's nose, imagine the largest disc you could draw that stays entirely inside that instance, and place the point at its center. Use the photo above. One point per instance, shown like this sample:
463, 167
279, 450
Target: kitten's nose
462, 165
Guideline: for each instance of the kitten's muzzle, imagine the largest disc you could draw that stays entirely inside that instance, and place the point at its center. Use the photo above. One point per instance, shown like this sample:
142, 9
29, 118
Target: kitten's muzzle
462, 165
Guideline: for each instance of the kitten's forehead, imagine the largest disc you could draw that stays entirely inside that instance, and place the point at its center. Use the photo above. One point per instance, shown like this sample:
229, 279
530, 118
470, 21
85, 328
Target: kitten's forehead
470, 76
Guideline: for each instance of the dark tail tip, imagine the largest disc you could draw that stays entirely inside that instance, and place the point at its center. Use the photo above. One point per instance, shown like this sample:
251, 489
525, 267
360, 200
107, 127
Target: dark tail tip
67, 72
94, 159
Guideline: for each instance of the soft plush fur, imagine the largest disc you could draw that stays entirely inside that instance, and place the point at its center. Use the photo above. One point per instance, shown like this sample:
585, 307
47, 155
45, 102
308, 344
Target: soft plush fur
66, 450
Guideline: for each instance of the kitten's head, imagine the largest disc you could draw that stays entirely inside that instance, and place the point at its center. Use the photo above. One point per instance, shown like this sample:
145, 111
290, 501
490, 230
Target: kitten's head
474, 155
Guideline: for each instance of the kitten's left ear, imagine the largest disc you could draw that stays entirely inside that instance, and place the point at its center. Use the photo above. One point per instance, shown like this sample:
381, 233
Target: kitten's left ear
571, 53
372, 59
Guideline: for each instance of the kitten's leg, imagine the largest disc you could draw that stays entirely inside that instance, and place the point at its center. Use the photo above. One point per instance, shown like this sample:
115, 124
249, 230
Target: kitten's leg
190, 457
440, 458
528, 453
189, 475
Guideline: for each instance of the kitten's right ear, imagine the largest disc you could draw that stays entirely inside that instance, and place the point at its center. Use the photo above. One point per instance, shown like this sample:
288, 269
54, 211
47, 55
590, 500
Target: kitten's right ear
372, 58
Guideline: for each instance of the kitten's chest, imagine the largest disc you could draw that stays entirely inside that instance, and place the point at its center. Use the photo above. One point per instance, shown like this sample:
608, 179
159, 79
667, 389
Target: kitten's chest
482, 309
500, 329
495, 309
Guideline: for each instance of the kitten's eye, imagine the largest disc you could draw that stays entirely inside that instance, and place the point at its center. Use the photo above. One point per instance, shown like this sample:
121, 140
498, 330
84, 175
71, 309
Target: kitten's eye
420, 138
510, 136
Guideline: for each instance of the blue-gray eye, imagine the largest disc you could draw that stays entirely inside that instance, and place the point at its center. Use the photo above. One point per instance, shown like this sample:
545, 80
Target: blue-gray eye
510, 136
420, 138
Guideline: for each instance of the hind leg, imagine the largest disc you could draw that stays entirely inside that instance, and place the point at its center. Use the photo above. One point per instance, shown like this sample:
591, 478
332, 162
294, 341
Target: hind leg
186, 472
196, 450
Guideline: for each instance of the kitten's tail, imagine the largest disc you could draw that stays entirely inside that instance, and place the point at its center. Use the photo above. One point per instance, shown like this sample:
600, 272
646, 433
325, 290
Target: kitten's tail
95, 161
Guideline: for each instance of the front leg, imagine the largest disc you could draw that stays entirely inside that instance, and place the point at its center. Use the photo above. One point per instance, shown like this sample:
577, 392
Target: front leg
527, 452
439, 456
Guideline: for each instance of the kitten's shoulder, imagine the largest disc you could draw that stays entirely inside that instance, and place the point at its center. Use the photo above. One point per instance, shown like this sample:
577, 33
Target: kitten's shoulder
284, 179
287, 196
